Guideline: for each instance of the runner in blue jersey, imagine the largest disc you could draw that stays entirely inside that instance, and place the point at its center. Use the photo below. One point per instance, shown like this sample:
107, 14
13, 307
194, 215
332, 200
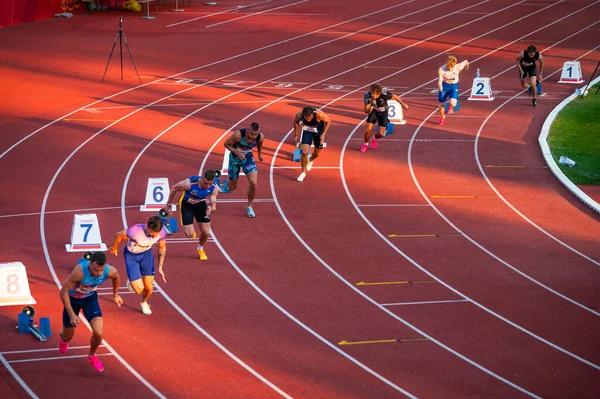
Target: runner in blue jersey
448, 84
310, 126
198, 191
240, 145
79, 293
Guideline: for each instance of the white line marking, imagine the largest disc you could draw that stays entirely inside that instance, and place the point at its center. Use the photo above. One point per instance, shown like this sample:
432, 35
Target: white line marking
45, 350
68, 211
424, 302
363, 205
281, 42
62, 357
227, 11
256, 13
17, 377
300, 167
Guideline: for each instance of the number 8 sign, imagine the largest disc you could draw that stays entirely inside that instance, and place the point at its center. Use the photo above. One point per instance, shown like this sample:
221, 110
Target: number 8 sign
14, 286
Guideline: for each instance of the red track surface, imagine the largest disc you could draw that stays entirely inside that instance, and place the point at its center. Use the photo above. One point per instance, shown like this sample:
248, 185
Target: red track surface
515, 253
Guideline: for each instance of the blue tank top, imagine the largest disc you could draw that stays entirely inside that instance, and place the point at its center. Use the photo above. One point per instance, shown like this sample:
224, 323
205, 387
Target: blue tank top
197, 194
87, 287
243, 145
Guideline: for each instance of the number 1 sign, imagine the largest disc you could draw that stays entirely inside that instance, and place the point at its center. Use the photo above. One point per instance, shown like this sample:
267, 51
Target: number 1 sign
85, 234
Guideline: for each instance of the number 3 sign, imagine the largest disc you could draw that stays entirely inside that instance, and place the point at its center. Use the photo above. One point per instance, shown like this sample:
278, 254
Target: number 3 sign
395, 114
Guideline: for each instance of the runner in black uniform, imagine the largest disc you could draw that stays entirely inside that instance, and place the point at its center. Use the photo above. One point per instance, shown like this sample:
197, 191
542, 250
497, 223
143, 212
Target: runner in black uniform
376, 107
526, 63
310, 126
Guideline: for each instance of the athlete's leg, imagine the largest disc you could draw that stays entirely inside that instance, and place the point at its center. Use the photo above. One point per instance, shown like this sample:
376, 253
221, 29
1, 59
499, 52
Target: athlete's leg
132, 265
97, 334
304, 155
187, 219
148, 287
368, 132
252, 182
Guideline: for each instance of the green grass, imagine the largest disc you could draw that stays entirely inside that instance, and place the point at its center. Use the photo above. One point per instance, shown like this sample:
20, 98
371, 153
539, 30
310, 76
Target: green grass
575, 133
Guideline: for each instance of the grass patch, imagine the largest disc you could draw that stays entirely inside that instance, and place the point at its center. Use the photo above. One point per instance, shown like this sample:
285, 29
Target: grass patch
575, 133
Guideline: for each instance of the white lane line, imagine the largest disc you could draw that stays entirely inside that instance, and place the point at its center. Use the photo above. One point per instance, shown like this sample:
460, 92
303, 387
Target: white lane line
44, 350
227, 11
17, 377
256, 13
281, 42
424, 302
62, 357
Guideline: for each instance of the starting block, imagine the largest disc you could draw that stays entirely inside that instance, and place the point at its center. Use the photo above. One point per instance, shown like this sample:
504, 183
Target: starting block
298, 154
26, 324
538, 89
170, 224
455, 109
14, 285
481, 90
389, 129
85, 234
571, 73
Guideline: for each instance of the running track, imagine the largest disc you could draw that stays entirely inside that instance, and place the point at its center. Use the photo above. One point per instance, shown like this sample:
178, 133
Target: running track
307, 299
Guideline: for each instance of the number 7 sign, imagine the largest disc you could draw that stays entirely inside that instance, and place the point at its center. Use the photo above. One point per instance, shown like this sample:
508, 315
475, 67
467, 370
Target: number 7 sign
85, 234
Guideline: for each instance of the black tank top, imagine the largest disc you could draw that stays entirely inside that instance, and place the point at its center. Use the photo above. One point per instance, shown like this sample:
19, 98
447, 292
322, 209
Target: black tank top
314, 126
527, 60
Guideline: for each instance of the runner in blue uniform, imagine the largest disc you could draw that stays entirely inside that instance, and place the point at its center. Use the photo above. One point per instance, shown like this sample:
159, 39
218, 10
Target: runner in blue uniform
526, 63
193, 204
240, 145
315, 124
448, 76
79, 293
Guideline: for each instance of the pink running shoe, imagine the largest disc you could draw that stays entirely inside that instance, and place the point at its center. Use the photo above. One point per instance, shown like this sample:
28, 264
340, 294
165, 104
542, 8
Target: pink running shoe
450, 110
364, 147
441, 122
96, 362
374, 144
62, 346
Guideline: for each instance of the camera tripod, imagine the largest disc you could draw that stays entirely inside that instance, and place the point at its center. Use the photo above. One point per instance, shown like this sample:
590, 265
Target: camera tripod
120, 36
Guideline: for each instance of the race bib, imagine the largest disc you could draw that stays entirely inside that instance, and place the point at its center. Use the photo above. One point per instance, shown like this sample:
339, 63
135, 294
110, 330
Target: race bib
312, 129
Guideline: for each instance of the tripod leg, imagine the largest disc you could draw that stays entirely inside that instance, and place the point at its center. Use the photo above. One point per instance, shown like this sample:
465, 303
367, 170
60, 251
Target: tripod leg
121, 50
131, 56
590, 81
110, 56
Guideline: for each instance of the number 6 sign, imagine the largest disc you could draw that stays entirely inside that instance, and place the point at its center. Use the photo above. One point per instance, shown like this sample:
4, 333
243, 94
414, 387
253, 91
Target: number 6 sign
14, 286
157, 193
85, 234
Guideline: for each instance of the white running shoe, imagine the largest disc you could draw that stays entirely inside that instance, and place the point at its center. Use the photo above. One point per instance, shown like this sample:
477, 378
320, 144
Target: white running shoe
309, 166
301, 177
129, 286
145, 308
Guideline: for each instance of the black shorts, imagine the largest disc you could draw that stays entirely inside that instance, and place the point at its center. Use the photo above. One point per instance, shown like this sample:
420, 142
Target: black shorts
90, 306
310, 138
531, 71
381, 118
189, 212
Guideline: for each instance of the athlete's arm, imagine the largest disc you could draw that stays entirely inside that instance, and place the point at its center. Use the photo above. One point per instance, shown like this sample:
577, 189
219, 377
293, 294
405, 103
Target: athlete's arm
464, 65
395, 97
119, 235
234, 138
297, 120
183, 185
162, 252
213, 199
323, 117
75, 277
519, 58
440, 78
113, 274
541, 60
259, 147
368, 103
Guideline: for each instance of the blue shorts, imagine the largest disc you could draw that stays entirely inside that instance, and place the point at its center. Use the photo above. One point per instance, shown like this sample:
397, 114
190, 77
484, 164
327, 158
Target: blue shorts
448, 90
235, 164
90, 306
138, 265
